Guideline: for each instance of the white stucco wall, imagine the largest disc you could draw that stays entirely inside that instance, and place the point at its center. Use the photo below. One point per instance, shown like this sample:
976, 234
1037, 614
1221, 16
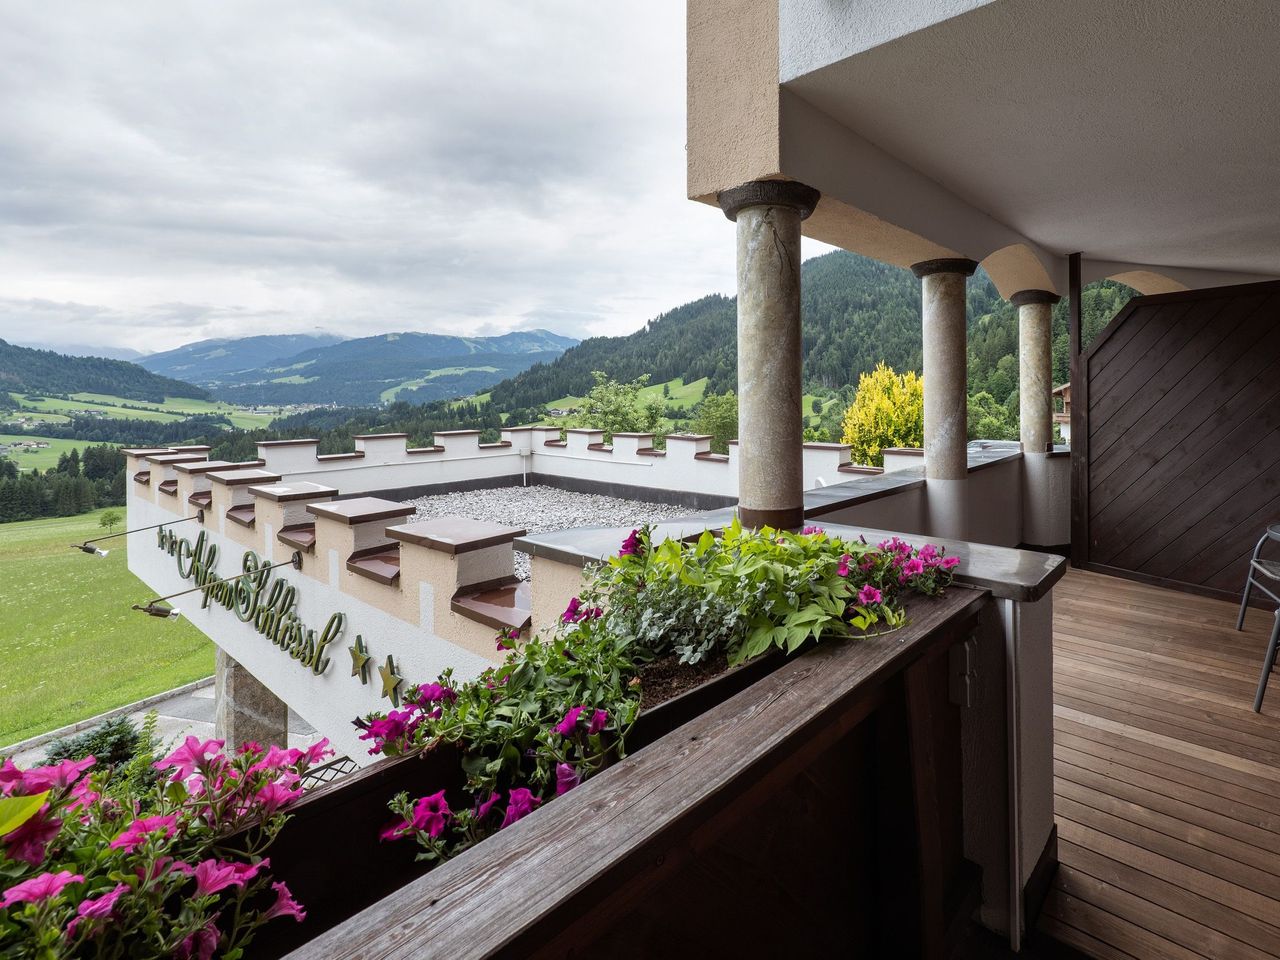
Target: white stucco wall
330, 701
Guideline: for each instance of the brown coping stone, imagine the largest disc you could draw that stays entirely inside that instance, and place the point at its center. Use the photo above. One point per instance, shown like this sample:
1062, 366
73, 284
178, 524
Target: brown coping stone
913, 451
582, 430
827, 446
379, 436
688, 436
287, 443
600, 447
638, 435
495, 445
330, 457
650, 452
456, 433
501, 607
209, 466
238, 478
169, 486
170, 459
554, 443
192, 448
530, 426
381, 563
361, 510
433, 449
143, 477
454, 535
860, 469
145, 451
243, 514
714, 457
300, 536
201, 498
289, 492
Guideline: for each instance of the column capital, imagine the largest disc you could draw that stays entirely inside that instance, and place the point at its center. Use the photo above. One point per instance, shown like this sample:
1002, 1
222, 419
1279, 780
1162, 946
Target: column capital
769, 193
1034, 296
927, 268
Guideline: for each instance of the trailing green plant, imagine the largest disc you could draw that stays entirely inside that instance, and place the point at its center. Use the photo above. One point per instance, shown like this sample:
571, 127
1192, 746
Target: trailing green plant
559, 708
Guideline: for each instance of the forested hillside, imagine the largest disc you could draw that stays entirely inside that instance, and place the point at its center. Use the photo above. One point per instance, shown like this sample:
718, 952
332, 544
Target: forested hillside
23, 370
857, 312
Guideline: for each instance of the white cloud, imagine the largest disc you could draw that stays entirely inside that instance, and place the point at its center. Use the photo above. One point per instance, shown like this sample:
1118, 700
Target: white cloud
172, 171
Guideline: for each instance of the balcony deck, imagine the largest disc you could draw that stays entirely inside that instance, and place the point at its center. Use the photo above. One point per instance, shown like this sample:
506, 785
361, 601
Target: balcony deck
1167, 784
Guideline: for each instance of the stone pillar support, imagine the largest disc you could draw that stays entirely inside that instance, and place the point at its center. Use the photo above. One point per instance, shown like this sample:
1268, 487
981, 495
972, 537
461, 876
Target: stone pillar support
770, 422
1035, 368
946, 375
244, 708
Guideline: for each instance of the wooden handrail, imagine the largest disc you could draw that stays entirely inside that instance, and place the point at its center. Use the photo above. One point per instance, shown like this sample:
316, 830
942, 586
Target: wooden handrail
595, 853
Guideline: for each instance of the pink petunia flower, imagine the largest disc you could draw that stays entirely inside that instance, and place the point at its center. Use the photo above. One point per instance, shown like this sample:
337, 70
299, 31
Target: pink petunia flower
29, 841
811, 531
318, 752
520, 803
843, 569
482, 809
46, 886
913, 567
869, 595
137, 832
58, 776
194, 754
598, 721
430, 814
567, 726
567, 777
10, 777
275, 795
948, 563
630, 546
285, 905
213, 876
96, 908
200, 944
570, 614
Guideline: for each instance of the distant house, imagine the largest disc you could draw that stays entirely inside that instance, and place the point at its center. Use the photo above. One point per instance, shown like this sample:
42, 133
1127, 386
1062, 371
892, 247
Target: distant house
1063, 418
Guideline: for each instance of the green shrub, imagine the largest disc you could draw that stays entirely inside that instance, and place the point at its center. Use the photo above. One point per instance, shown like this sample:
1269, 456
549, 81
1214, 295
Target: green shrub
113, 742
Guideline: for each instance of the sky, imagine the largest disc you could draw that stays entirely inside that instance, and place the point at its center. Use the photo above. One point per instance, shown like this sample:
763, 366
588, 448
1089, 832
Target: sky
173, 171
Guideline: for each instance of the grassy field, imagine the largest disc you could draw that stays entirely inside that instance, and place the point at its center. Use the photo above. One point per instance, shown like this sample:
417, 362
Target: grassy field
39, 459
173, 408
69, 644
390, 393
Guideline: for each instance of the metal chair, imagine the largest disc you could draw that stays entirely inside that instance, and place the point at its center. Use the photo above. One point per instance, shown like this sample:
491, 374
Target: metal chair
1270, 570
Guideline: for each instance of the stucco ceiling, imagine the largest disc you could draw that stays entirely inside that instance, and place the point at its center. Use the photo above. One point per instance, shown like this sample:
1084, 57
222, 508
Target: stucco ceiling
1145, 131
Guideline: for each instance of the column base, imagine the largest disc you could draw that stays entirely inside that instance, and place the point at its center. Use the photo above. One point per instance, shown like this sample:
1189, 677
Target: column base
789, 518
244, 708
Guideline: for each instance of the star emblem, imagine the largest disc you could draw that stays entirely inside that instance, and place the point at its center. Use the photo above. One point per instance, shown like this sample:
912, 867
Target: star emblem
359, 659
391, 680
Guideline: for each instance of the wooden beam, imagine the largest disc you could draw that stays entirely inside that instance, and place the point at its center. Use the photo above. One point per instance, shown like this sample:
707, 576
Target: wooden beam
1079, 418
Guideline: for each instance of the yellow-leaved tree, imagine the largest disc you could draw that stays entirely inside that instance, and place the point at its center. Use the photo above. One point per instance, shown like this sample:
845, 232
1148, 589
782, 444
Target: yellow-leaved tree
887, 411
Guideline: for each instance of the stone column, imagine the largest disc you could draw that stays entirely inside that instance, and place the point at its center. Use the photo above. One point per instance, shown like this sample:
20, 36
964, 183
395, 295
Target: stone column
770, 421
946, 392
1035, 368
244, 708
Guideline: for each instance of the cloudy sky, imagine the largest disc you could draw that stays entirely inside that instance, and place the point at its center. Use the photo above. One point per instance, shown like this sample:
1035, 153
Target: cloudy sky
171, 171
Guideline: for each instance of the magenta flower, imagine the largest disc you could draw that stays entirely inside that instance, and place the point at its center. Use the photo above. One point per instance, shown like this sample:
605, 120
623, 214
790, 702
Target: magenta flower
138, 831
285, 905
30, 840
59, 776
430, 814
162, 866
213, 876
520, 803
507, 638
96, 908
811, 531
482, 809
83, 795
843, 569
869, 595
598, 721
318, 752
567, 726
275, 795
200, 944
567, 777
396, 725
436, 693
192, 755
631, 545
275, 758
571, 614
948, 563
913, 567
928, 552
46, 886
10, 777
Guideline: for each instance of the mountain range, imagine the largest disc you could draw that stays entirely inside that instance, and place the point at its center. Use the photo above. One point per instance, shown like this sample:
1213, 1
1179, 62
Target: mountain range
308, 368
28, 371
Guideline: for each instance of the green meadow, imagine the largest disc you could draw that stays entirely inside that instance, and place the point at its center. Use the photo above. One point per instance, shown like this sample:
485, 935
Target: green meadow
39, 459
70, 646
118, 408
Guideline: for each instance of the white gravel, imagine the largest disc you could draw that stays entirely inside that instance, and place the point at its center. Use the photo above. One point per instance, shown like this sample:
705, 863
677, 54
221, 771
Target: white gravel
539, 509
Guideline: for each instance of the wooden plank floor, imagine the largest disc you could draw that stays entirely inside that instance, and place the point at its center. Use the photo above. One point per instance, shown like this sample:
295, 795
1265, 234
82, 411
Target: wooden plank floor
1167, 784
